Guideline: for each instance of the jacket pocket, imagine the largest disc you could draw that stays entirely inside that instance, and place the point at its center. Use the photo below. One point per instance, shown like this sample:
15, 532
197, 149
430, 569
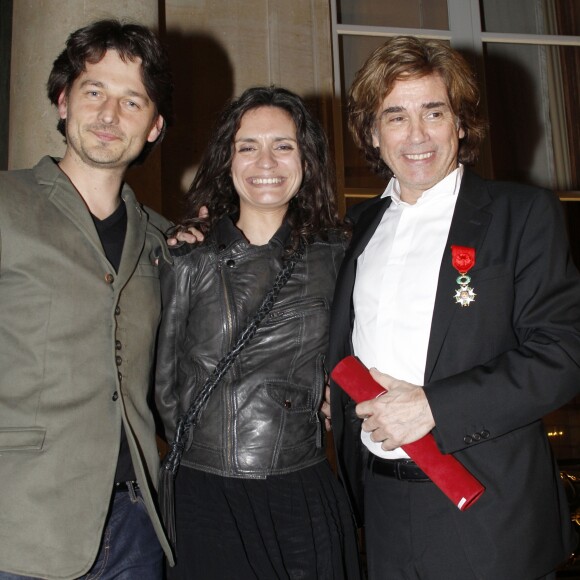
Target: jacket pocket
22, 439
289, 397
294, 428
295, 309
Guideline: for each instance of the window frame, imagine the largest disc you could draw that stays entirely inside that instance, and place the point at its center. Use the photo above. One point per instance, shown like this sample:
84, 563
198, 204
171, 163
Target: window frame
465, 34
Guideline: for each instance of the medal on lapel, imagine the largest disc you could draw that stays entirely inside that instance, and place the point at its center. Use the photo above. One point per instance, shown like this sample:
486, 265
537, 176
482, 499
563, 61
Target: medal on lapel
463, 259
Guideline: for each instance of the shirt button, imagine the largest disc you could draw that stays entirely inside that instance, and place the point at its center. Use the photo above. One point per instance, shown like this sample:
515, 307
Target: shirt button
109, 278
117, 311
115, 396
118, 360
118, 345
120, 377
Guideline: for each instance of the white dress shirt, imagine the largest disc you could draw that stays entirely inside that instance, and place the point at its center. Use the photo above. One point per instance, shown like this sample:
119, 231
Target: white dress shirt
396, 283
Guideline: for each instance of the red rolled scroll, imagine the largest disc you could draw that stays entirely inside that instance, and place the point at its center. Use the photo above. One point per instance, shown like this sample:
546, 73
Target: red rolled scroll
446, 472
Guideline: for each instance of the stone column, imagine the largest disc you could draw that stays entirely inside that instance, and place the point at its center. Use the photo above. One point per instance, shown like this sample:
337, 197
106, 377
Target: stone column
40, 29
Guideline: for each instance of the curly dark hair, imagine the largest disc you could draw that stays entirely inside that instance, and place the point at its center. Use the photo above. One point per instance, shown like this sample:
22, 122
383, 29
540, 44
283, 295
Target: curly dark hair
312, 211
408, 57
131, 41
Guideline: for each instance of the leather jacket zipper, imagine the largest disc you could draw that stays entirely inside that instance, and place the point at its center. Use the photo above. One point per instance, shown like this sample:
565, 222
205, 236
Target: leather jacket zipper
228, 332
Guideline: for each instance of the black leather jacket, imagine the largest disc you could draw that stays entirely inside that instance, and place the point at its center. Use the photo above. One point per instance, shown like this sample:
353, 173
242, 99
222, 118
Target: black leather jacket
262, 418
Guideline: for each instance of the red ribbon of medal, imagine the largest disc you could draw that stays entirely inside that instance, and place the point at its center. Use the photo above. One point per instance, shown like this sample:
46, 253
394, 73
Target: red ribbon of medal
463, 259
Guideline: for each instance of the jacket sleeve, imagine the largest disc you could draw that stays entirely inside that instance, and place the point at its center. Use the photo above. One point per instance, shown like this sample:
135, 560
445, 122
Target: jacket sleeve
535, 368
175, 297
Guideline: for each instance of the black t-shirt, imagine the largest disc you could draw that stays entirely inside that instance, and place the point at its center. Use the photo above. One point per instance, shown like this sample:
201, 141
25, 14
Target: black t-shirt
112, 232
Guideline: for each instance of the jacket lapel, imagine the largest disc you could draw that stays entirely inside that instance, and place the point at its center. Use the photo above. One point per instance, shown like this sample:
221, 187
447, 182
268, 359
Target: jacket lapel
63, 195
366, 219
134, 238
468, 228
363, 231
365, 227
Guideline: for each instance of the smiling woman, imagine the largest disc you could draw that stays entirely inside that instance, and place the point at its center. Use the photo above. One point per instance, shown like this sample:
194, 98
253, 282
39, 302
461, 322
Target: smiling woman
254, 475
266, 171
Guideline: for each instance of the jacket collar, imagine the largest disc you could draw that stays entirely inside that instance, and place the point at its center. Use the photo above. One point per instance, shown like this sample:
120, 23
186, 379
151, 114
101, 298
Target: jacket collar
366, 224
226, 233
62, 193
137, 220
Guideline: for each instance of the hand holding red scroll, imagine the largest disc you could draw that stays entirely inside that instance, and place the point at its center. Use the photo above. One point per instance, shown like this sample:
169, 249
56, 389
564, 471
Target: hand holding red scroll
443, 470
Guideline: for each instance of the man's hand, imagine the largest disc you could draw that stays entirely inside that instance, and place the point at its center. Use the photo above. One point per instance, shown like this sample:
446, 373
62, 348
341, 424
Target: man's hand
191, 235
402, 415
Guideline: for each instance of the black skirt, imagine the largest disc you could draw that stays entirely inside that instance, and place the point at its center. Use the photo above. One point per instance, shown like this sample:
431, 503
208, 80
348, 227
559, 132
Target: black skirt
292, 526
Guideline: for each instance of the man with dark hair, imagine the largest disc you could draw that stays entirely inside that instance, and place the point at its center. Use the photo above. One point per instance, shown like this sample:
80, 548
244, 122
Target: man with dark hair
80, 309
461, 294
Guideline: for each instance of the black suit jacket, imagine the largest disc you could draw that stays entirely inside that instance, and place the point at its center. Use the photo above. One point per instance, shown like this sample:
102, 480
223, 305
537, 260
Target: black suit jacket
493, 370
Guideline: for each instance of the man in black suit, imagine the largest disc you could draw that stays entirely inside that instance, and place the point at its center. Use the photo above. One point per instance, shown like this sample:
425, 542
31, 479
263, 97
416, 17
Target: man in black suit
474, 345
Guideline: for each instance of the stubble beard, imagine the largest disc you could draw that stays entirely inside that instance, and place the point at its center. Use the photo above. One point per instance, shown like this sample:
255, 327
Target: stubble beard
101, 154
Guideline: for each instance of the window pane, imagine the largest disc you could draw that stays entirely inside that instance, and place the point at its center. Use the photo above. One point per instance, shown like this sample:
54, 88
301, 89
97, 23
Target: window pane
532, 94
531, 16
408, 14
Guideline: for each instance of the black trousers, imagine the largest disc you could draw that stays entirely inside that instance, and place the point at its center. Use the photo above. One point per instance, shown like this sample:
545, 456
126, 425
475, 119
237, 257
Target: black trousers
410, 533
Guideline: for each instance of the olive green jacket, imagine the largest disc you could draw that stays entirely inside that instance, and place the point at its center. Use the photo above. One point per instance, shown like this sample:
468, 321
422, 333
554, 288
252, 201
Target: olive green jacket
76, 355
